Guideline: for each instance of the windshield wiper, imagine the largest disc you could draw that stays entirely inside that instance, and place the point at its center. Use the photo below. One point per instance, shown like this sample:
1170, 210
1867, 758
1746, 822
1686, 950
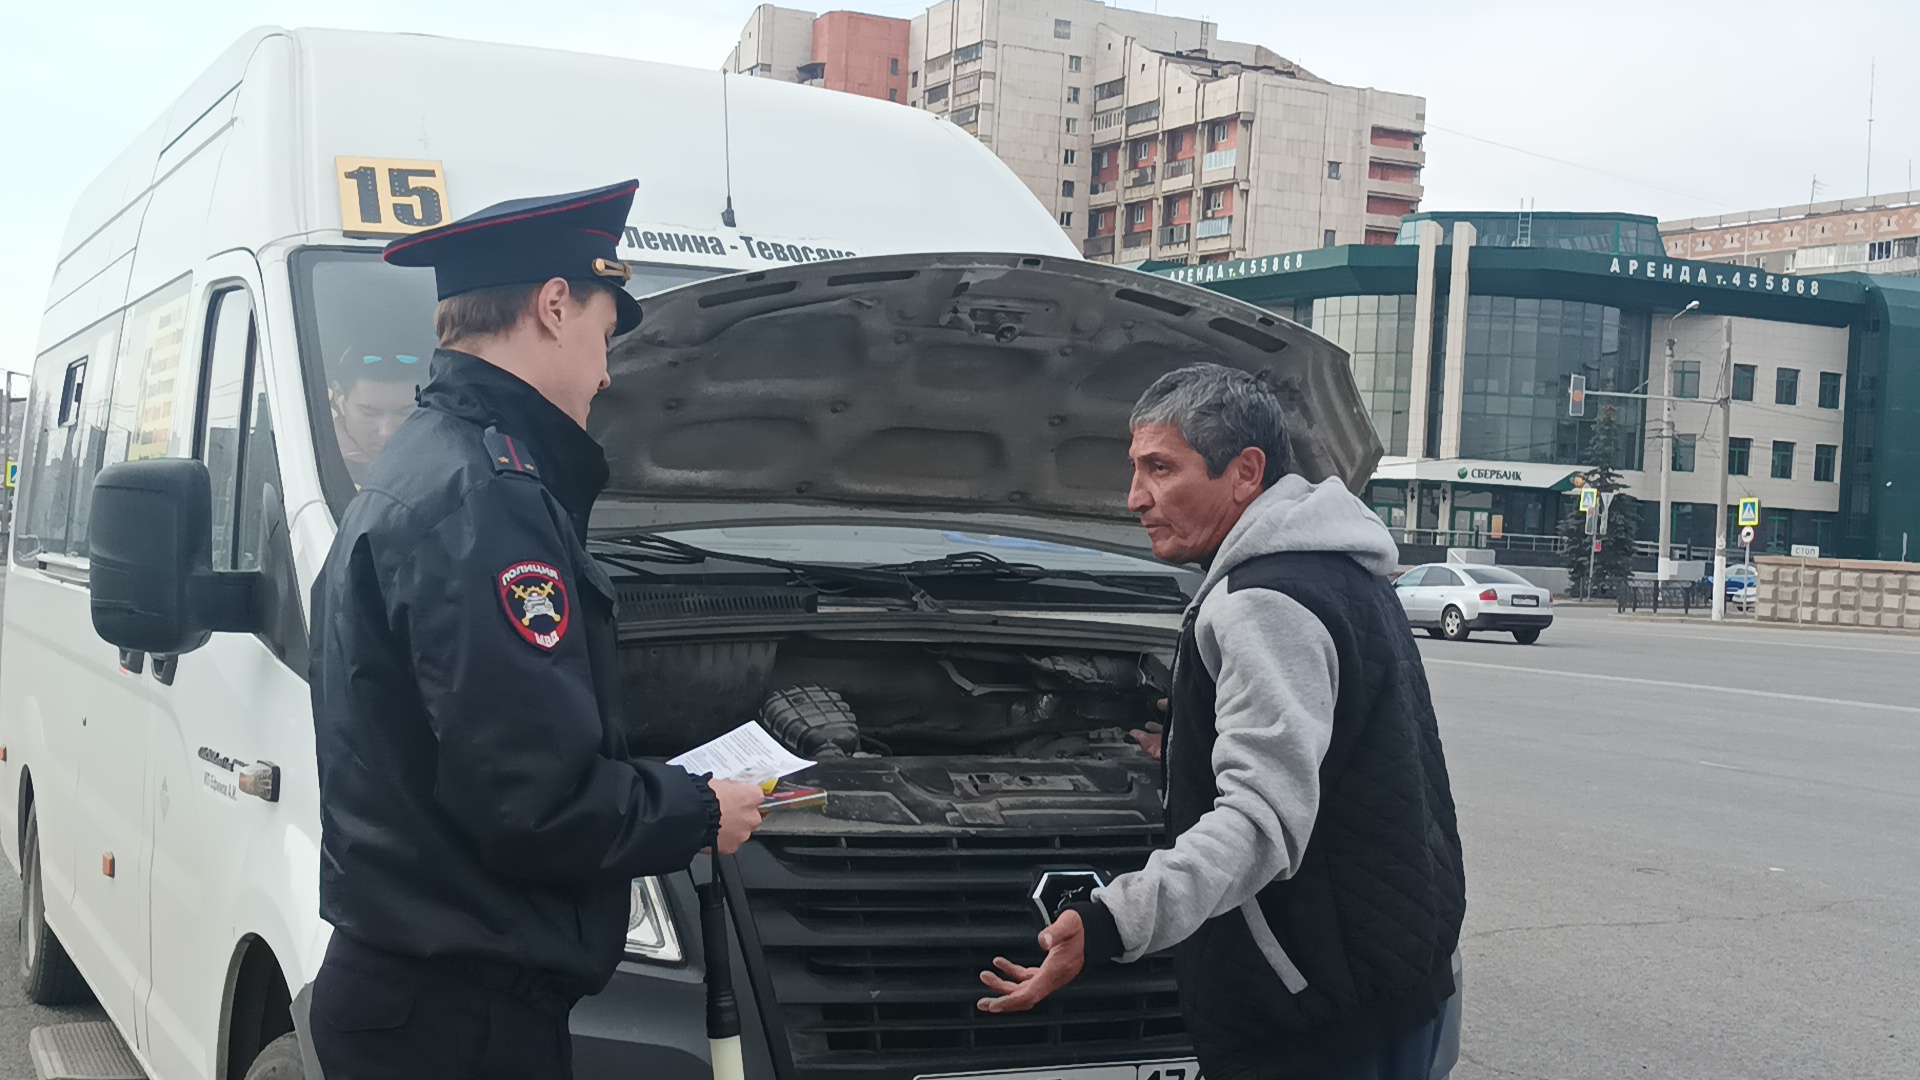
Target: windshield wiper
654, 548
987, 565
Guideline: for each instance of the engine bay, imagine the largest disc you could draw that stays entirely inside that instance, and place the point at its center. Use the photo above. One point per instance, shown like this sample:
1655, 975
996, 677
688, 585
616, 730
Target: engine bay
918, 734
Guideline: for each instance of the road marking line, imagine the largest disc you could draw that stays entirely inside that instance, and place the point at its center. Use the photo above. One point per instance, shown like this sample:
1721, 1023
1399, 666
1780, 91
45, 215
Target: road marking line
1774, 695
1717, 765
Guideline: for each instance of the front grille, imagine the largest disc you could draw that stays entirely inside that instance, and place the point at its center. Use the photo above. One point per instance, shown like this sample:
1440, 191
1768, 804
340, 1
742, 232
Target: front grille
873, 947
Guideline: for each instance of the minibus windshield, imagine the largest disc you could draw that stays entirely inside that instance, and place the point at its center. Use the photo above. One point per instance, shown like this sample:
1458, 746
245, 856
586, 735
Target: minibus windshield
366, 340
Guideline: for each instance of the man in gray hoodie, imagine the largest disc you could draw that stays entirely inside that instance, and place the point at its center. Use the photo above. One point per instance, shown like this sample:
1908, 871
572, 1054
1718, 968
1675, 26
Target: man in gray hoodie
1313, 890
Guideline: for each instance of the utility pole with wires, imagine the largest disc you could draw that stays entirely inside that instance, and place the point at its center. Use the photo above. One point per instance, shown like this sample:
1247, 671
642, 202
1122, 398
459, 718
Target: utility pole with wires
1726, 448
1663, 563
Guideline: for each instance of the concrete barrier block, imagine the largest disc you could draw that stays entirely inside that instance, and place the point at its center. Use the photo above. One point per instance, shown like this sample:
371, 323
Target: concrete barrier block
1824, 615
1763, 610
1890, 620
1827, 598
1810, 614
1910, 622
1869, 601
1829, 578
1849, 579
1870, 581
1847, 618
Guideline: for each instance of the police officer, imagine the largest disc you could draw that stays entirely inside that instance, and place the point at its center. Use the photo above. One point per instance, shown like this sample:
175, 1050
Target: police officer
480, 818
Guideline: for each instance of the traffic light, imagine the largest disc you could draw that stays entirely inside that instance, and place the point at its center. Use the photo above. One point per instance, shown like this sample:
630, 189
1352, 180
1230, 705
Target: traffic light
1577, 395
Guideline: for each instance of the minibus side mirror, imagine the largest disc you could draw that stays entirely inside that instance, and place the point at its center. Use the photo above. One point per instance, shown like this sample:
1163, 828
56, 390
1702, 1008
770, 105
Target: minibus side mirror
150, 562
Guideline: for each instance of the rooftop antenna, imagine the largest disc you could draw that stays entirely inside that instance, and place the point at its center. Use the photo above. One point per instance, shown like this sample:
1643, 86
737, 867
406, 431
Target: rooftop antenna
726, 147
1813, 192
1870, 66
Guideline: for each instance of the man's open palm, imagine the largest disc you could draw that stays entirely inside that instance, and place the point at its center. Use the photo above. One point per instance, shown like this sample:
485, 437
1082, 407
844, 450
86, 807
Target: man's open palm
1021, 988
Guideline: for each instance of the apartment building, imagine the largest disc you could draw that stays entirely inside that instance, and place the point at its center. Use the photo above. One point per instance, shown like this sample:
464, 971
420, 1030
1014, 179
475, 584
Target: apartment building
846, 51
1876, 235
1149, 137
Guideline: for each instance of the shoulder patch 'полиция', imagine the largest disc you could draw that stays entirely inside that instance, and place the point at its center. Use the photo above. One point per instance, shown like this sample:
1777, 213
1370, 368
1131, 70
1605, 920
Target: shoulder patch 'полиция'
536, 603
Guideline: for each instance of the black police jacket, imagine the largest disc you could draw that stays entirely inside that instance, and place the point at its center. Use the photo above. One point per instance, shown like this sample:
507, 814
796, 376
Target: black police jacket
476, 798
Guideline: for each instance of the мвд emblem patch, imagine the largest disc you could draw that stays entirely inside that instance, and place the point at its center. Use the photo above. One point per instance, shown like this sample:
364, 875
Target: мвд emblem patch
536, 603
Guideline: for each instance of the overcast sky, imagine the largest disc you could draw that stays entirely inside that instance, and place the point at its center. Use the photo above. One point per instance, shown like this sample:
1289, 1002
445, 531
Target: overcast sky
1675, 109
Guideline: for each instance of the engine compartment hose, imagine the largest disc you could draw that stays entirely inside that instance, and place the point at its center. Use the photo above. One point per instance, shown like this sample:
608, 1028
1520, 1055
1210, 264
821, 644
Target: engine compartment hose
811, 721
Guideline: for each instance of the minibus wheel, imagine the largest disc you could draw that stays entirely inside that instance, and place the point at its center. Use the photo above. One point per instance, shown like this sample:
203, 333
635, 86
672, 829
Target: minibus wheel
47, 974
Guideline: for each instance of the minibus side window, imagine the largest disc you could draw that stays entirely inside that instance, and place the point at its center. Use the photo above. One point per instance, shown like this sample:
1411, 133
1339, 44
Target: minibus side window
61, 443
224, 393
235, 439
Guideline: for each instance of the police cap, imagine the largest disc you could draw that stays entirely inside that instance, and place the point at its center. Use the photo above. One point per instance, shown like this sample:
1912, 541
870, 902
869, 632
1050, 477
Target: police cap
529, 242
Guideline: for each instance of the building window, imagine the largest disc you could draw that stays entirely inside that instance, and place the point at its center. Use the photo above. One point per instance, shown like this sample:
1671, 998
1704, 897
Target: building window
1066, 216
1786, 386
1101, 159
968, 115
893, 66
1062, 29
969, 54
1141, 152
1216, 202
913, 79
1830, 389
893, 95
1743, 380
1068, 157
1683, 453
1739, 453
937, 94
1073, 63
1824, 457
1176, 143
1879, 249
1686, 379
1137, 214
1782, 460
1073, 95
1329, 239
1073, 126
1333, 170
1217, 133
1066, 189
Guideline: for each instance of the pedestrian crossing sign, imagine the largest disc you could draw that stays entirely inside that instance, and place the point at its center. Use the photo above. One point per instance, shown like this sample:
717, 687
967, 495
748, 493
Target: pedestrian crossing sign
1749, 512
13, 474
1589, 499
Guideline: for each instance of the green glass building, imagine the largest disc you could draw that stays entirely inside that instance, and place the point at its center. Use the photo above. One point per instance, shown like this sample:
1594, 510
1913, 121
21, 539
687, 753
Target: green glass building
1465, 336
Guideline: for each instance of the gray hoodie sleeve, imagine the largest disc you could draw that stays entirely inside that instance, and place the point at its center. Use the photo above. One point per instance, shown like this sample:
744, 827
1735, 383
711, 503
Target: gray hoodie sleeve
1276, 676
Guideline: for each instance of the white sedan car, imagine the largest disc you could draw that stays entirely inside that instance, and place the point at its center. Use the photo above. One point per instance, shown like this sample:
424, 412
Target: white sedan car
1452, 600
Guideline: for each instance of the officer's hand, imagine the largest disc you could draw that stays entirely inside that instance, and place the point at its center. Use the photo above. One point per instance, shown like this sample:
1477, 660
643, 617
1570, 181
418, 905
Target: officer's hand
1150, 739
1025, 987
739, 813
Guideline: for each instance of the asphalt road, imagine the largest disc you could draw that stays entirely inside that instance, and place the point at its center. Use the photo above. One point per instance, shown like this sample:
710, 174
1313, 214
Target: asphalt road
1691, 850
1692, 854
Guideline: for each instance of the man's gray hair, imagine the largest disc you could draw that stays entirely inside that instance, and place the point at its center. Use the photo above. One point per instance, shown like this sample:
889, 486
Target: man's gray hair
1220, 411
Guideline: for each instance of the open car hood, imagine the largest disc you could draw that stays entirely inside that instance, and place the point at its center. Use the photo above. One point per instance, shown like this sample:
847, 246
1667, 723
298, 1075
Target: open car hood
962, 382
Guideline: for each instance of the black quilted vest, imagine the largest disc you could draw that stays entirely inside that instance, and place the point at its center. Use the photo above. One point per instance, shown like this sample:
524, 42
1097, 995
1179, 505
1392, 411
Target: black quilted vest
1372, 916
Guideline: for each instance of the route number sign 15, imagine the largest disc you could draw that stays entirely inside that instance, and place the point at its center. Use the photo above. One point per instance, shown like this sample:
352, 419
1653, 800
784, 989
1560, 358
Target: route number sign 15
385, 197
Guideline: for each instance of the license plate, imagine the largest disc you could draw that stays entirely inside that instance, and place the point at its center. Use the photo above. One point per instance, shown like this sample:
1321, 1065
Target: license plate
1524, 601
1152, 1070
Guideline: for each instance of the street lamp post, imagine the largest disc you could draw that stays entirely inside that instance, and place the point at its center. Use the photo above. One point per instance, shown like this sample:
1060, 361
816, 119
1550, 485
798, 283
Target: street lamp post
1726, 463
1663, 563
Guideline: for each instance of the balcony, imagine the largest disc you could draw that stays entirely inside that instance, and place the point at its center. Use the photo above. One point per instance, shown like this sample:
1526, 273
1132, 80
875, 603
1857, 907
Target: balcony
1137, 239
1098, 246
1174, 234
1220, 159
1178, 169
1107, 120
1212, 227
1140, 177
1145, 113
1100, 187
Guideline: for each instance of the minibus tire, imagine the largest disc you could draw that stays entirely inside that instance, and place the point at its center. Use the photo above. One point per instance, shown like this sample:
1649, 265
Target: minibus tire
279, 1060
47, 974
